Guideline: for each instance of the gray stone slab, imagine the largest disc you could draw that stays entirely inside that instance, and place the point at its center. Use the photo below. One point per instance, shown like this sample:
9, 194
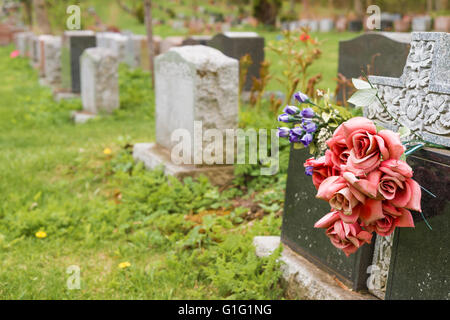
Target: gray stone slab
99, 80
238, 44
304, 280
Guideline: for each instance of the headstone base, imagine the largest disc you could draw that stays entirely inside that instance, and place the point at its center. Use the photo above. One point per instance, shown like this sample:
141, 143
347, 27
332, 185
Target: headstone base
303, 280
44, 83
64, 95
153, 155
82, 116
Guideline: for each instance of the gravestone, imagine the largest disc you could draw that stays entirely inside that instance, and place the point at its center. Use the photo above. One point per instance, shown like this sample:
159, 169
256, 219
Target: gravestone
99, 80
197, 40
52, 61
377, 53
42, 39
421, 23
341, 24
313, 25
170, 42
114, 41
21, 39
194, 86
355, 25
238, 44
73, 45
326, 25
301, 211
413, 264
442, 24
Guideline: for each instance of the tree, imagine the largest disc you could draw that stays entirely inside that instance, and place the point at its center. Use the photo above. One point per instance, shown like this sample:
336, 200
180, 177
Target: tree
42, 21
266, 11
151, 51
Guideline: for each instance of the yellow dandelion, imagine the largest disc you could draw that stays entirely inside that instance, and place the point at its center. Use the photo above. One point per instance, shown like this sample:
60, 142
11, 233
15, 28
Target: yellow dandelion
41, 234
107, 151
124, 265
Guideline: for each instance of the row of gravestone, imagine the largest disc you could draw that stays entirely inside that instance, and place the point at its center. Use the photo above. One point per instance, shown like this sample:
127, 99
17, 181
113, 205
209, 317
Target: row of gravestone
60, 66
389, 22
414, 82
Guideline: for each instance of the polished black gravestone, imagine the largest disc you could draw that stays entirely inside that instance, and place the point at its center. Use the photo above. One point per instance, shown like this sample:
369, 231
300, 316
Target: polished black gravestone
301, 211
381, 54
419, 263
197, 40
74, 43
238, 44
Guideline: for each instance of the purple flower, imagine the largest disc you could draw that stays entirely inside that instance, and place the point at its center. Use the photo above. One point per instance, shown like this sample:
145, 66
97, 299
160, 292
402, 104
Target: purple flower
283, 132
301, 97
307, 113
298, 131
291, 110
283, 117
294, 138
307, 139
309, 171
309, 126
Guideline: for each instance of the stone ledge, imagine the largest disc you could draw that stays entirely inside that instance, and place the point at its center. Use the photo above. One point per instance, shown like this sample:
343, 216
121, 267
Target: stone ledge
58, 96
304, 280
153, 155
82, 116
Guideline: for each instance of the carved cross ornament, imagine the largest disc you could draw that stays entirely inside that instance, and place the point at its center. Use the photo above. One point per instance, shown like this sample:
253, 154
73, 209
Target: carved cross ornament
420, 98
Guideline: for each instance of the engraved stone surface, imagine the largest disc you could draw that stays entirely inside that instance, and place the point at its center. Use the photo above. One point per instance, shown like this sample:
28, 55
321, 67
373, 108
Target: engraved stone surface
21, 42
420, 98
99, 80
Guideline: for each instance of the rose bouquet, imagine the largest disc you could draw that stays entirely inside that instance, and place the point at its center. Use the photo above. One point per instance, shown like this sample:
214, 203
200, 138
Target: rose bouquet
362, 177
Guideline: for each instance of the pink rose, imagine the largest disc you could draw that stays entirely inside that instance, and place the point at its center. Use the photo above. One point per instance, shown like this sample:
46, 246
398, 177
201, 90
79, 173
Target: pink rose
393, 217
338, 148
335, 190
344, 236
322, 169
397, 186
367, 147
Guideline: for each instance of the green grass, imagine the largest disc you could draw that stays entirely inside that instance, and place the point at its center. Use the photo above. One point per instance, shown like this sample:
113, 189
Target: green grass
183, 240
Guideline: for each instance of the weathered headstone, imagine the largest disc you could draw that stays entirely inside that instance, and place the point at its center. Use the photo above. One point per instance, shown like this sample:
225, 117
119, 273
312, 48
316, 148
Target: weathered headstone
238, 44
73, 45
194, 86
42, 39
422, 23
21, 40
52, 61
355, 25
341, 24
375, 53
170, 42
413, 264
326, 25
99, 80
313, 25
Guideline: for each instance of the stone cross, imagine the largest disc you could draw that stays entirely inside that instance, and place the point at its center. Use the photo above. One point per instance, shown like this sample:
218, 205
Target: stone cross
419, 100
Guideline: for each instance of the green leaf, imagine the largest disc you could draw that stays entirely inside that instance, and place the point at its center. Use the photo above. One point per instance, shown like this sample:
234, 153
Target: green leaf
404, 132
312, 148
326, 116
363, 98
361, 84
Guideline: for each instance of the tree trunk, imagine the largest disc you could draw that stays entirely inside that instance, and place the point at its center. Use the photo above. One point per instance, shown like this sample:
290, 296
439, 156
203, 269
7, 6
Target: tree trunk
151, 51
358, 8
28, 9
42, 22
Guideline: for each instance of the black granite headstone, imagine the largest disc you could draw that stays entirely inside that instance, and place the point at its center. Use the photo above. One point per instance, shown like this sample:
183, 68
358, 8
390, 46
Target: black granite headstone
74, 43
196, 40
301, 211
381, 54
238, 44
419, 265
355, 25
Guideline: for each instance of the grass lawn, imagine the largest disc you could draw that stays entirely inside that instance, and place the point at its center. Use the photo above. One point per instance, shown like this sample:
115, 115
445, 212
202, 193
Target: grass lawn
98, 208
